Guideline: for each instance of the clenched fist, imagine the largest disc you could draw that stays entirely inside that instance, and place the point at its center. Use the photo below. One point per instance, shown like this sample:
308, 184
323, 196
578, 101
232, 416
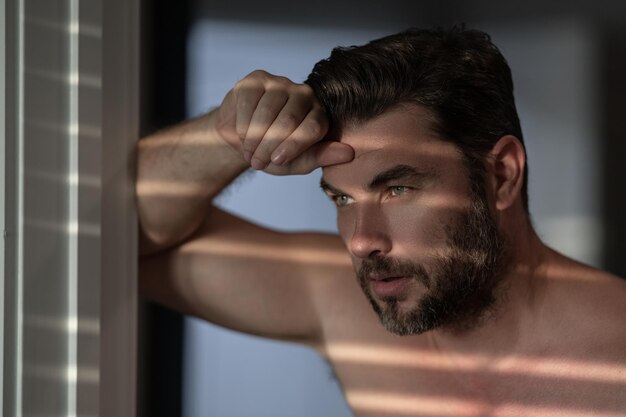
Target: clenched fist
278, 126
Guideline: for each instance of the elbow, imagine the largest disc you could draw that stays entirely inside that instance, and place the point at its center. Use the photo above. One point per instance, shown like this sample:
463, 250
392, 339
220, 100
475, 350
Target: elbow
154, 239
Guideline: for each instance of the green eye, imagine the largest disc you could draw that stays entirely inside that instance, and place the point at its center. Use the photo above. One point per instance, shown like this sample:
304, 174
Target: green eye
398, 190
341, 200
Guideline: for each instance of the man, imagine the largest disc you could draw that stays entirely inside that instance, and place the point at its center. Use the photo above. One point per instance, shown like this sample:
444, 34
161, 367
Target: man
422, 153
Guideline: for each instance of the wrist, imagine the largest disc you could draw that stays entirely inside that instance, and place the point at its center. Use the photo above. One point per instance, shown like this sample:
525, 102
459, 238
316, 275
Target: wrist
227, 146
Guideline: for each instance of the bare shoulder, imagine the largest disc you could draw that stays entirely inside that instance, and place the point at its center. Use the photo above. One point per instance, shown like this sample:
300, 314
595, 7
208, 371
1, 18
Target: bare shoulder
593, 302
601, 292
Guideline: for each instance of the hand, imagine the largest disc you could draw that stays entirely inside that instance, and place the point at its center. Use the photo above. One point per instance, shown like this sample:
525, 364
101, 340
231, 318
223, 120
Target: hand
278, 126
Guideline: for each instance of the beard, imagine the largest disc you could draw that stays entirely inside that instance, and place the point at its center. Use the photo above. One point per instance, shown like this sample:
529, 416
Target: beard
463, 288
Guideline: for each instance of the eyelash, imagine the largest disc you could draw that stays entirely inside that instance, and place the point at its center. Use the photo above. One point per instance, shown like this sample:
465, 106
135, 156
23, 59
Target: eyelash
336, 198
390, 190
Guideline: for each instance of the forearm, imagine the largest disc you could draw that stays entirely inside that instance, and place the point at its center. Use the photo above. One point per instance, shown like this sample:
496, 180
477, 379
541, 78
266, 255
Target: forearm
266, 121
179, 171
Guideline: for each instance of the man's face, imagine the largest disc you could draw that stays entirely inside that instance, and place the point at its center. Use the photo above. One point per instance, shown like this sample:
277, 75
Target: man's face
425, 248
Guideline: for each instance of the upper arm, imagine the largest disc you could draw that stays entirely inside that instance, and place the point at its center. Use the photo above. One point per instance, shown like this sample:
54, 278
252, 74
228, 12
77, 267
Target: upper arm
247, 278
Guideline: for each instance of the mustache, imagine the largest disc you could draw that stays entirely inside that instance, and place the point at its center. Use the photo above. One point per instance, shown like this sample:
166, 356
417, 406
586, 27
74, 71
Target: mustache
392, 266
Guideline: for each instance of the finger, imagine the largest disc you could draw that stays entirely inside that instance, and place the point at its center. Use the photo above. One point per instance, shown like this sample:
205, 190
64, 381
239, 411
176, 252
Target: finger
247, 94
323, 154
331, 153
319, 155
267, 109
290, 117
312, 129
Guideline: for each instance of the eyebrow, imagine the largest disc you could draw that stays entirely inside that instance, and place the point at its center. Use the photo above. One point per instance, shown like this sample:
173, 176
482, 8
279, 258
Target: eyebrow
398, 172
329, 189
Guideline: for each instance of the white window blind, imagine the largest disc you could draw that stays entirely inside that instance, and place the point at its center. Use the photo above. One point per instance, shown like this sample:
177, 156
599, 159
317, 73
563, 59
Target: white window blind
70, 114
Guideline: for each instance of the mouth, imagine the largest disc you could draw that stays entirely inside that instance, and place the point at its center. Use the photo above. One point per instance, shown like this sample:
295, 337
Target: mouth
386, 278
389, 286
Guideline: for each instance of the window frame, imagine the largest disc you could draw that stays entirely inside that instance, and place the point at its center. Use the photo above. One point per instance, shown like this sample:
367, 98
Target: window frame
70, 120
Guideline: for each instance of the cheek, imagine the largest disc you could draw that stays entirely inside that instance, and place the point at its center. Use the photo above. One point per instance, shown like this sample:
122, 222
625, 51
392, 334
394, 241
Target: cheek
345, 224
412, 228
421, 227
416, 227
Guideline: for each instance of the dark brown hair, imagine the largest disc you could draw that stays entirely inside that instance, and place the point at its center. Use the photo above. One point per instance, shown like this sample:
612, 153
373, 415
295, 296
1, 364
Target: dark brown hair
457, 73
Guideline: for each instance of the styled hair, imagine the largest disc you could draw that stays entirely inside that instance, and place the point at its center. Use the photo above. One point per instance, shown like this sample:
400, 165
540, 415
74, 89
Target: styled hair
458, 74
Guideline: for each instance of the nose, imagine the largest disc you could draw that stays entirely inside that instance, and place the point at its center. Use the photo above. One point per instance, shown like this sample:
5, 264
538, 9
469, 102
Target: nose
369, 237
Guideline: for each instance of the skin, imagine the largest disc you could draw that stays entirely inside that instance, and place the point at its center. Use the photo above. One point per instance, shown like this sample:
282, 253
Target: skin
408, 211
554, 346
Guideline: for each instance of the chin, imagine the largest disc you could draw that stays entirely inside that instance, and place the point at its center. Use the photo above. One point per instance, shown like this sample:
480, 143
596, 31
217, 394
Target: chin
404, 317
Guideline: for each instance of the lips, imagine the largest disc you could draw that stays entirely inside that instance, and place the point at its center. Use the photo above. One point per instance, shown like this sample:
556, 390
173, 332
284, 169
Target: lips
385, 278
389, 286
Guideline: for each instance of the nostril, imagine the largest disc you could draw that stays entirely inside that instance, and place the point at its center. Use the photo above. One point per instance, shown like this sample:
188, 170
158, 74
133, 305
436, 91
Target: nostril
363, 246
369, 235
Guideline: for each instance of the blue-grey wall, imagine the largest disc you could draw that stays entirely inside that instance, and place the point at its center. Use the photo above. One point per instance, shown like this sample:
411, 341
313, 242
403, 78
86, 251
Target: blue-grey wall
228, 374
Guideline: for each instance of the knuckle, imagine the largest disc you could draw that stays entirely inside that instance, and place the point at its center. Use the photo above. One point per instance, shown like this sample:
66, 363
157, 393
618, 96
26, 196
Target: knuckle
258, 73
246, 91
282, 80
277, 91
238, 84
280, 83
306, 91
305, 98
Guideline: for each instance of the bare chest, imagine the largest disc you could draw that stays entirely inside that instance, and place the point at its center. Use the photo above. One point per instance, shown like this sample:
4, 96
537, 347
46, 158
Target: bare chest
574, 371
395, 381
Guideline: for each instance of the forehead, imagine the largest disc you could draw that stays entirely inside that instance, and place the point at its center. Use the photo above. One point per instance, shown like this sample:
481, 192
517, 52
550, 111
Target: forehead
402, 136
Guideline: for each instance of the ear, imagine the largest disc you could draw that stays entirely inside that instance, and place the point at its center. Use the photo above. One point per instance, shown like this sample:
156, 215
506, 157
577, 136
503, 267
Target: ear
507, 161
